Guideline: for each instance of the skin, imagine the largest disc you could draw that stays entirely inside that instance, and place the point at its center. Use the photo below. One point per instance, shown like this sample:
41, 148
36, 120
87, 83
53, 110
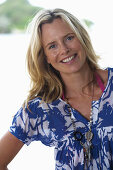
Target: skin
9, 147
60, 43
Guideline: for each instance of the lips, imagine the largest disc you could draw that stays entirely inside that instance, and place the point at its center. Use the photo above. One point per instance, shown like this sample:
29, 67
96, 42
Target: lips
68, 59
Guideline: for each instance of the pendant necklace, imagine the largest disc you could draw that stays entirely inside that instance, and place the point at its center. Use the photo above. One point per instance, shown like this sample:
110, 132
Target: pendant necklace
87, 146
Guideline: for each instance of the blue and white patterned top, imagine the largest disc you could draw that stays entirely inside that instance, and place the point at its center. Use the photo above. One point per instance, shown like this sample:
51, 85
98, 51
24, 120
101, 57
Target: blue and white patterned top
51, 124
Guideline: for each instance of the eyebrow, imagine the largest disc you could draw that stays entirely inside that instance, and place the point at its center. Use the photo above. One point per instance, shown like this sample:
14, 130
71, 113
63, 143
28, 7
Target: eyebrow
50, 43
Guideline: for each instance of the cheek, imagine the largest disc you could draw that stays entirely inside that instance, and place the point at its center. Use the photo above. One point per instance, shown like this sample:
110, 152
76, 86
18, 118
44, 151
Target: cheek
75, 46
81, 50
47, 56
51, 57
48, 60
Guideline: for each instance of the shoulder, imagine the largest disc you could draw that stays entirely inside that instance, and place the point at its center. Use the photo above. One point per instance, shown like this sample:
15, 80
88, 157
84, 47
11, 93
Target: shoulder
105, 74
37, 106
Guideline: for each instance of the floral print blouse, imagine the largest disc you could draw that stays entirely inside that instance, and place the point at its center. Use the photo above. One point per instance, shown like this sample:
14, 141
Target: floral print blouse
51, 124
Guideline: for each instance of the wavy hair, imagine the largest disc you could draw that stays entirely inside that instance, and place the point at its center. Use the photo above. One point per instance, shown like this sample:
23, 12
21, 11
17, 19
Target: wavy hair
45, 80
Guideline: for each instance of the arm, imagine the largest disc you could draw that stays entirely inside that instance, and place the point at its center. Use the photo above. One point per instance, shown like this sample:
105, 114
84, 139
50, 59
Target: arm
9, 147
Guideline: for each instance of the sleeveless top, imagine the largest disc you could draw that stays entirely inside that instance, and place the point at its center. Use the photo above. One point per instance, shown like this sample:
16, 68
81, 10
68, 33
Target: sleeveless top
51, 124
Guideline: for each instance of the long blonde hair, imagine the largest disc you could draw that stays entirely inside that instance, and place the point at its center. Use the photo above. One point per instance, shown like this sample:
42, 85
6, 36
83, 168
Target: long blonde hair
45, 80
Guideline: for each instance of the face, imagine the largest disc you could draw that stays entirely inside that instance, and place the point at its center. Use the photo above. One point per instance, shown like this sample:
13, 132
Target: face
62, 48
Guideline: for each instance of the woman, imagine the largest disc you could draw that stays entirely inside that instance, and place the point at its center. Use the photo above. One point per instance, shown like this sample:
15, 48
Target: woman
70, 102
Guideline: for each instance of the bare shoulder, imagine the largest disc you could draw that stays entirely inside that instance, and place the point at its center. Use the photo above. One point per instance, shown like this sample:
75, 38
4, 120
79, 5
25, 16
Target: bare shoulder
9, 147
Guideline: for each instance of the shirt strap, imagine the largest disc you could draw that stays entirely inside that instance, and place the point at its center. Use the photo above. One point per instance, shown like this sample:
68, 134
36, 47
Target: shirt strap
63, 98
99, 81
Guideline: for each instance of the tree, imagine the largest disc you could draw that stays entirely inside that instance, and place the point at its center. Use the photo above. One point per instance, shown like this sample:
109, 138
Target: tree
88, 23
15, 15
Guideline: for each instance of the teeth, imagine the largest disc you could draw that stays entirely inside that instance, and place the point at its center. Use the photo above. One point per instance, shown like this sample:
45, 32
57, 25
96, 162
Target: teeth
68, 59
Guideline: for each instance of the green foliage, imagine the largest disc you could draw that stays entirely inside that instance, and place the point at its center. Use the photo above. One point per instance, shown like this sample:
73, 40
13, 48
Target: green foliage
88, 23
15, 15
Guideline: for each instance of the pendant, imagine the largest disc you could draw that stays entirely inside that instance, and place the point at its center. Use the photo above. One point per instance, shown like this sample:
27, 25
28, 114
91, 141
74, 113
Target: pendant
87, 155
87, 152
78, 135
89, 135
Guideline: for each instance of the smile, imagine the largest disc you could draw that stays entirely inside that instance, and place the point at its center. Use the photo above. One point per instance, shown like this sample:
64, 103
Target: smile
69, 59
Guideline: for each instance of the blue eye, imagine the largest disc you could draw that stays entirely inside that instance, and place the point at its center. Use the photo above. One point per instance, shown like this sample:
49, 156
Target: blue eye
52, 46
70, 37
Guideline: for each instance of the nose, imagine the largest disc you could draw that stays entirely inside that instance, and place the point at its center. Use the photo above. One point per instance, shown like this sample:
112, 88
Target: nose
64, 49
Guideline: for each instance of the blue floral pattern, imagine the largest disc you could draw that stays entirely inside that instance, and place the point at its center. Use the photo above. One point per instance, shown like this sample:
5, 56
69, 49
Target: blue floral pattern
52, 125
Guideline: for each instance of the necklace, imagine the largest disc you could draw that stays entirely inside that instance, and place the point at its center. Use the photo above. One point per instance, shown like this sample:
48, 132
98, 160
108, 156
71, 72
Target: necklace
87, 146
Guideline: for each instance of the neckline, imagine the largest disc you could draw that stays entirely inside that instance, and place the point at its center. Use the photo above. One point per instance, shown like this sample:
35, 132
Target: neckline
103, 91
78, 114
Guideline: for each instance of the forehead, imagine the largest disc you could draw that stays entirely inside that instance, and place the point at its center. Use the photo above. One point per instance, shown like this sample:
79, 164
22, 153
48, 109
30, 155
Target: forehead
56, 20
58, 28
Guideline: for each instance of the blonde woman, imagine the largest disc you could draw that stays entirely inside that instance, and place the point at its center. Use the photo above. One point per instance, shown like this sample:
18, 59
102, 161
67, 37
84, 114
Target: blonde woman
70, 104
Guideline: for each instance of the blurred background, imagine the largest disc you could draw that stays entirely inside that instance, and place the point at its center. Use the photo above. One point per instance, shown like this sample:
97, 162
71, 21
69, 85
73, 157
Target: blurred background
97, 18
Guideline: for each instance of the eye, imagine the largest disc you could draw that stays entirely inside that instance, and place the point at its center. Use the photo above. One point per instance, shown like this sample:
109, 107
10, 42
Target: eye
52, 46
70, 37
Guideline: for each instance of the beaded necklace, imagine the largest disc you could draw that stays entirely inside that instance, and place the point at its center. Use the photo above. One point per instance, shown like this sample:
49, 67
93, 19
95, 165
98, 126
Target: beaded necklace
87, 146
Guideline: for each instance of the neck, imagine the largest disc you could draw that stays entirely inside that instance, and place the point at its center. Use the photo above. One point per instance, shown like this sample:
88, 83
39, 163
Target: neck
75, 82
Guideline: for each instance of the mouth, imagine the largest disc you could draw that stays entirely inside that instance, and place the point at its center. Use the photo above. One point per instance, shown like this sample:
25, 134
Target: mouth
69, 59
